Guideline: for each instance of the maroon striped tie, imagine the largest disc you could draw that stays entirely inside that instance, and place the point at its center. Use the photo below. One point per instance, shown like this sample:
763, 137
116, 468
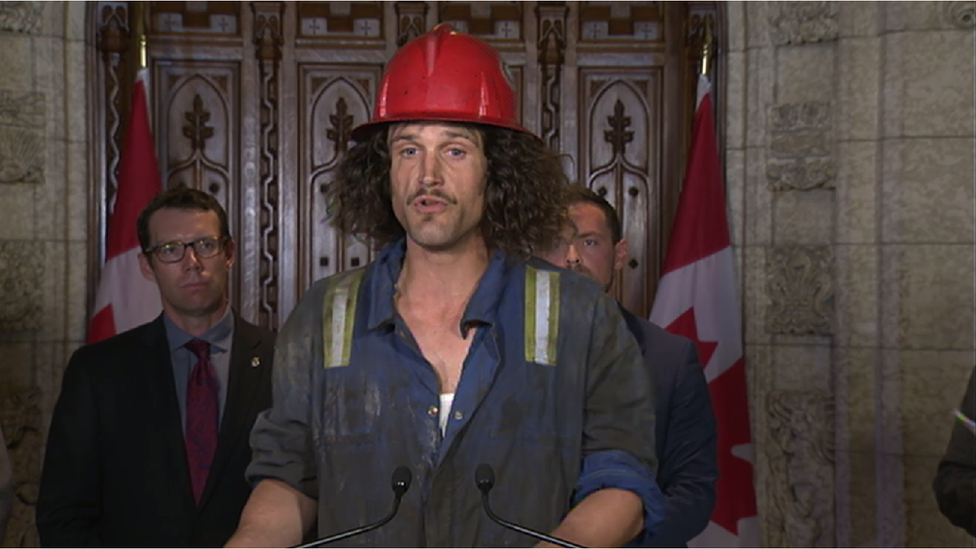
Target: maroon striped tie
202, 394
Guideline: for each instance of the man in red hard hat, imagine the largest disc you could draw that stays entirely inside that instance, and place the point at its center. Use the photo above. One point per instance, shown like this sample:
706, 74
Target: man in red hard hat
454, 350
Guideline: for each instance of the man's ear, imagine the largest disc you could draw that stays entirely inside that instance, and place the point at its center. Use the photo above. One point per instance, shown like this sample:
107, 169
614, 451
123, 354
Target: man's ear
230, 250
146, 268
621, 250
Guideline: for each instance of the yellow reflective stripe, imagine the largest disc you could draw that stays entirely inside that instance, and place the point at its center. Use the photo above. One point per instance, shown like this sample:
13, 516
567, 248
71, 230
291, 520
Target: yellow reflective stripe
541, 315
339, 317
530, 276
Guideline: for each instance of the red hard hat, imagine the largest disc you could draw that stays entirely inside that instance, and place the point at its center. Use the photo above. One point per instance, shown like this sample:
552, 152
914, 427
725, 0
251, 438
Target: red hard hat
445, 76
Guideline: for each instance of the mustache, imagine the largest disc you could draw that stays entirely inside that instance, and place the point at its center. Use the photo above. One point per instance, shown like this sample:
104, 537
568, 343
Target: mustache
580, 269
434, 193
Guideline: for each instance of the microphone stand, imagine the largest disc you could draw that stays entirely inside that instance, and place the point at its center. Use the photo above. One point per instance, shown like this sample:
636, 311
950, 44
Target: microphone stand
485, 479
401, 483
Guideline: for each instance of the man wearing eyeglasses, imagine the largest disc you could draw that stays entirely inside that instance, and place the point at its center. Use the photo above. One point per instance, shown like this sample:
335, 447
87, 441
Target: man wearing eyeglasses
149, 439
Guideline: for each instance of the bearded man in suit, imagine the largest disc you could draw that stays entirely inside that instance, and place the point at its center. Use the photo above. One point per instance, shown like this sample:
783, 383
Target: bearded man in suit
149, 438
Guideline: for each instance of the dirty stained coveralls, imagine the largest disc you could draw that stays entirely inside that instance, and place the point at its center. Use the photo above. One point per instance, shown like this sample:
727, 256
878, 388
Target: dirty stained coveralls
553, 395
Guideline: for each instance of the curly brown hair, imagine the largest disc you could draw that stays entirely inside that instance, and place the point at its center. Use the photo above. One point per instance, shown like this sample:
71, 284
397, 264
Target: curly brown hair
525, 195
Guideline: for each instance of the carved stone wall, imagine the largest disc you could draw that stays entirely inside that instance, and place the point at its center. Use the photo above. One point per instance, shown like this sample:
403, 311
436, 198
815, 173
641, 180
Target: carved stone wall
804, 22
961, 15
801, 147
45, 182
21, 137
24, 17
21, 267
849, 152
800, 286
801, 457
20, 419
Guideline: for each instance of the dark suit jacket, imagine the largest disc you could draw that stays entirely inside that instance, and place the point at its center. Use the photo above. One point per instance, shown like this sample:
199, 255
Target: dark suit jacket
115, 470
955, 481
685, 437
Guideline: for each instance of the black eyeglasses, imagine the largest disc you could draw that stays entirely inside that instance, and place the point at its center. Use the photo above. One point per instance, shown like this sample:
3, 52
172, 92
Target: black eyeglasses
171, 252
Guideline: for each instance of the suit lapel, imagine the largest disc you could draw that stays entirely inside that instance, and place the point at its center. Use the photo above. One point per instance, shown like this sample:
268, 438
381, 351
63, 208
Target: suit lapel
245, 372
166, 420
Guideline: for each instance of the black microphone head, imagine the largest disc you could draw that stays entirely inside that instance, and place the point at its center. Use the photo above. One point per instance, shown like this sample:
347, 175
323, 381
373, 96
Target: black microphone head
401, 480
484, 477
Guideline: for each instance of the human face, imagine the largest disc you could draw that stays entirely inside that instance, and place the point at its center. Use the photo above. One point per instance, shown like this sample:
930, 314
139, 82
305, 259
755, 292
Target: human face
586, 245
193, 288
437, 177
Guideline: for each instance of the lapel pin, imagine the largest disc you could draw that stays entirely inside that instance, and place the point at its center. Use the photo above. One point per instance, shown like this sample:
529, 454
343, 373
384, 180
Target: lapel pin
255, 362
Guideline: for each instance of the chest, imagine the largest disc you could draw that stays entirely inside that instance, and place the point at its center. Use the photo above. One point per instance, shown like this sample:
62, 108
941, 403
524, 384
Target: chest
443, 346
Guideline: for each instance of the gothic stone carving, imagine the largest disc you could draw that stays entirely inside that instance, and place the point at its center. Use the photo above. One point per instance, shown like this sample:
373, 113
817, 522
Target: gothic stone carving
21, 266
801, 459
962, 15
21, 138
801, 175
800, 286
800, 148
803, 22
20, 419
20, 16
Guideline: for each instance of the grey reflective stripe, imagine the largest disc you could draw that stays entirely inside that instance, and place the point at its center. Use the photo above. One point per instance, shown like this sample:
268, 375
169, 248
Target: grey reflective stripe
339, 317
541, 315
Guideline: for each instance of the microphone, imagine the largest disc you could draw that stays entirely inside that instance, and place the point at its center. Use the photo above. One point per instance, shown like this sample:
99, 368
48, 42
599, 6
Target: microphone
400, 484
484, 478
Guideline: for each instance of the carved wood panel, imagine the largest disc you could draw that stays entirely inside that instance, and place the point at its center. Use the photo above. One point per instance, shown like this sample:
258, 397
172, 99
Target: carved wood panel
254, 103
334, 99
621, 126
197, 129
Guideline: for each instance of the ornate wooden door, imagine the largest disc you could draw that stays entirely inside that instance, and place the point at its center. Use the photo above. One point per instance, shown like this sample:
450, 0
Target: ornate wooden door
254, 102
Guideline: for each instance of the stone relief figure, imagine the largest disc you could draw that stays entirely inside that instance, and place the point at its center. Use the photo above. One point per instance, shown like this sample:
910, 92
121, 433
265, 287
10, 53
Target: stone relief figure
801, 462
20, 419
20, 16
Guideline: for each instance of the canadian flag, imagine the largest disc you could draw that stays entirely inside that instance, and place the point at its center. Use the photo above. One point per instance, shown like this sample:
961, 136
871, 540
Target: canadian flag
697, 299
125, 299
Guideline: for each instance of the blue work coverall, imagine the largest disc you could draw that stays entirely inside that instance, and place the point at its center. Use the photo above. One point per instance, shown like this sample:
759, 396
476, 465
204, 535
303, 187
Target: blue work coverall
553, 395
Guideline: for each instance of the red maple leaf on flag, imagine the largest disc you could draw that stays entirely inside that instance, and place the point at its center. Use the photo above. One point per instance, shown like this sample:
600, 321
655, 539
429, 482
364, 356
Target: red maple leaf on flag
685, 325
697, 298
736, 473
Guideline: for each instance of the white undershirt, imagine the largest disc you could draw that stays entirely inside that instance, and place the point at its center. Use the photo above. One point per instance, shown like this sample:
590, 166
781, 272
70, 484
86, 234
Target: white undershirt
447, 399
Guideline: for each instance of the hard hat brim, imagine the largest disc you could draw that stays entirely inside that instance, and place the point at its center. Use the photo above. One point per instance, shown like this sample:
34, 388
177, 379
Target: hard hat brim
363, 131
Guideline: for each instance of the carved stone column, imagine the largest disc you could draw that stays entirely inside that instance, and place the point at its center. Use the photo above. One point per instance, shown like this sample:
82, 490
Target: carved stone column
267, 38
